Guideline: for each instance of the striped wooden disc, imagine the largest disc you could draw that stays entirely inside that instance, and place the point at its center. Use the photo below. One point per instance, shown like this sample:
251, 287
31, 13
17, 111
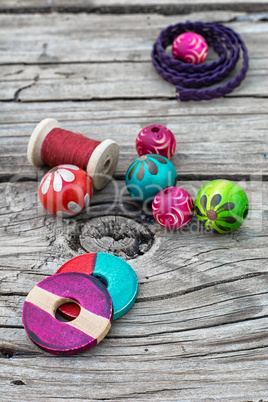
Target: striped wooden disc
67, 338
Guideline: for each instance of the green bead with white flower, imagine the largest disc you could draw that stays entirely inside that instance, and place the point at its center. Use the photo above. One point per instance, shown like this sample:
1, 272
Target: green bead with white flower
221, 205
148, 175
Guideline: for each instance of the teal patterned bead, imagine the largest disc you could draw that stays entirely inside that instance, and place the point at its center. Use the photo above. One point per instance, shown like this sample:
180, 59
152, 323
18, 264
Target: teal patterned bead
221, 205
148, 175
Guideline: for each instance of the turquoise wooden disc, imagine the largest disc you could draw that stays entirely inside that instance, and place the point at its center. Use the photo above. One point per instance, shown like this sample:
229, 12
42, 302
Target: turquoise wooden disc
122, 281
116, 274
148, 175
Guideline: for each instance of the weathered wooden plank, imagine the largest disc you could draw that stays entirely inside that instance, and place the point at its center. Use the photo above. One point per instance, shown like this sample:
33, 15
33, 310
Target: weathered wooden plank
206, 308
224, 342
159, 373
215, 139
100, 81
116, 111
221, 304
46, 38
201, 255
120, 6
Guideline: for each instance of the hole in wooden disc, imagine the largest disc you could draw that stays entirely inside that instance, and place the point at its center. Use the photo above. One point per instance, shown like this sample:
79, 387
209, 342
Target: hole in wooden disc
60, 312
155, 130
102, 279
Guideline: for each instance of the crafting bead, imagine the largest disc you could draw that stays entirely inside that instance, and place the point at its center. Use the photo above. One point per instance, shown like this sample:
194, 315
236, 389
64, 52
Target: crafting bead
148, 175
190, 47
67, 338
173, 208
156, 139
117, 275
65, 191
221, 205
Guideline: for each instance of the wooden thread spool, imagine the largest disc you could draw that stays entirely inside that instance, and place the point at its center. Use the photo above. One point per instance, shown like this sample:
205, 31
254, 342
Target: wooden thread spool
101, 157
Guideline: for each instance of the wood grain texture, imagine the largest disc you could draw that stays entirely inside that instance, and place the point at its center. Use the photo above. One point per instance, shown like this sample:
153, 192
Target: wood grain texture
207, 147
201, 309
98, 81
100, 37
198, 330
120, 6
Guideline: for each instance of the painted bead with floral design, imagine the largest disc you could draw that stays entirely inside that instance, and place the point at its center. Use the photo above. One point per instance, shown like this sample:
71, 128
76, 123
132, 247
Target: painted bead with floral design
148, 175
221, 205
156, 139
173, 208
65, 191
190, 47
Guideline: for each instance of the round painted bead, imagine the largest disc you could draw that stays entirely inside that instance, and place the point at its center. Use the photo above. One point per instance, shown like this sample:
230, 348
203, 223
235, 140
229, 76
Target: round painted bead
67, 338
156, 139
190, 47
116, 274
173, 208
148, 175
65, 191
221, 205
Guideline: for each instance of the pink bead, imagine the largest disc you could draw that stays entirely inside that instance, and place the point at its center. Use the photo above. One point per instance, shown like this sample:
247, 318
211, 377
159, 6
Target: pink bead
173, 208
156, 139
190, 47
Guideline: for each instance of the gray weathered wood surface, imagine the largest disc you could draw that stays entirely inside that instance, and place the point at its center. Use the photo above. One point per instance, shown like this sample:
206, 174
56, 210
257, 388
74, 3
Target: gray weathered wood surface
198, 331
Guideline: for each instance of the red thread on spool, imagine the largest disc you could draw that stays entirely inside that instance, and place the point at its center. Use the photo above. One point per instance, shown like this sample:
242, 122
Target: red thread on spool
53, 146
65, 147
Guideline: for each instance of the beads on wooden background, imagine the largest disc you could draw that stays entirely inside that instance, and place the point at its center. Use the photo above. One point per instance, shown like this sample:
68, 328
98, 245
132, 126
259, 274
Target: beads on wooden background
156, 139
190, 47
148, 175
221, 205
173, 208
65, 191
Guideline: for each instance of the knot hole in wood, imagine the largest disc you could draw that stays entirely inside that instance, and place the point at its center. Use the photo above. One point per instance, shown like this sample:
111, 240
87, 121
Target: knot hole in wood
118, 235
6, 353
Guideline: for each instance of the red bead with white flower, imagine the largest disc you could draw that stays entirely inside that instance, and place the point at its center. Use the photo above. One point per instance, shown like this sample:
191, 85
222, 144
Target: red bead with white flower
65, 191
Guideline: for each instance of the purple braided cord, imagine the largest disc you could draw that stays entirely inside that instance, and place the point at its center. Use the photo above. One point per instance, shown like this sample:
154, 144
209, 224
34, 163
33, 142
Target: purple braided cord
225, 42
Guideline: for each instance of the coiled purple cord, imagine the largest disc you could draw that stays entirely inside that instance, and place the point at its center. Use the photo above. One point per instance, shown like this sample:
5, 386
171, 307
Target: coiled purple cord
191, 80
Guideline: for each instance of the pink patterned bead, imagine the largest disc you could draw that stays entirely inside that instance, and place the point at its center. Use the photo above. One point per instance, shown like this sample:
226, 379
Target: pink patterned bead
156, 139
173, 208
190, 47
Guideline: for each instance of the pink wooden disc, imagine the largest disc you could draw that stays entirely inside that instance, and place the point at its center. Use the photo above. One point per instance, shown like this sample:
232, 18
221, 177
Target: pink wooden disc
85, 264
67, 338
